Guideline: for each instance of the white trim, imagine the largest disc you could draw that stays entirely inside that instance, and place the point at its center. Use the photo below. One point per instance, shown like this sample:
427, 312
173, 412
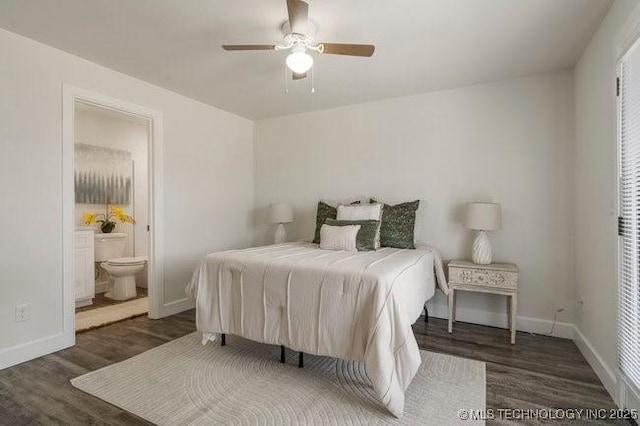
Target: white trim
72, 94
35, 349
496, 319
627, 34
68, 213
177, 306
156, 219
604, 372
629, 397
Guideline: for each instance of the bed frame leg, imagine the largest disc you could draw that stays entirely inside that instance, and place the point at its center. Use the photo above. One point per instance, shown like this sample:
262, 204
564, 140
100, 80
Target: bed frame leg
426, 314
301, 360
282, 354
223, 340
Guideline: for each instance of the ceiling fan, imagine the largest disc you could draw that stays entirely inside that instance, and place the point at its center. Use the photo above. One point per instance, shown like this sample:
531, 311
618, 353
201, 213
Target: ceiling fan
300, 38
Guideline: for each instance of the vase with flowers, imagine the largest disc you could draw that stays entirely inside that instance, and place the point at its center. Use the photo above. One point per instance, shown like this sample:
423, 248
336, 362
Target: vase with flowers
108, 219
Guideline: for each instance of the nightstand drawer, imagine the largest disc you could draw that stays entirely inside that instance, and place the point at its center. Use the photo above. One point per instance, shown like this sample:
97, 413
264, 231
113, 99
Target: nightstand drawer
483, 277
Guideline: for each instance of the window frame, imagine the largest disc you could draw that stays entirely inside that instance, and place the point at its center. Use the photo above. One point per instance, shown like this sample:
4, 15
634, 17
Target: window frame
628, 392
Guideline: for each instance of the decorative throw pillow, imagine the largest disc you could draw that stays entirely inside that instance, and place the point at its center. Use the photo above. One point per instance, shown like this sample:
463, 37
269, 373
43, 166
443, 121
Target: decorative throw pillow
398, 223
324, 212
338, 237
366, 238
362, 212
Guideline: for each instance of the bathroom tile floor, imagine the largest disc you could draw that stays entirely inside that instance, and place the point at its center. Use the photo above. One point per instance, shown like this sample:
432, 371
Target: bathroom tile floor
100, 301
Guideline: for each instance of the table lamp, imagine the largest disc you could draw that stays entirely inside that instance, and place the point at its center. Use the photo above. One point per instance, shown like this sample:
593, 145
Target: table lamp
281, 213
482, 217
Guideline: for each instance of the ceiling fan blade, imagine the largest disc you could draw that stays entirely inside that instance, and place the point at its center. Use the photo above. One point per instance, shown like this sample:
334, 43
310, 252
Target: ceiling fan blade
349, 49
232, 47
298, 16
299, 76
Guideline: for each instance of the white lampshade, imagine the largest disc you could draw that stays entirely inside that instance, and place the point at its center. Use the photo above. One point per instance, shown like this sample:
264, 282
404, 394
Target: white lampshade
483, 216
281, 213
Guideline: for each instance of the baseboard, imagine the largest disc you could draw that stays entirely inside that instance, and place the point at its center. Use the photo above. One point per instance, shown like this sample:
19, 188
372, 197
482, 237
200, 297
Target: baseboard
35, 349
606, 375
494, 319
101, 287
81, 303
629, 396
176, 307
563, 330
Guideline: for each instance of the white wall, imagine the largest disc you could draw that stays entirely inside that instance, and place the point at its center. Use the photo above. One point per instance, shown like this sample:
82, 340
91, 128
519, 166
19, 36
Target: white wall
509, 142
595, 153
208, 184
101, 127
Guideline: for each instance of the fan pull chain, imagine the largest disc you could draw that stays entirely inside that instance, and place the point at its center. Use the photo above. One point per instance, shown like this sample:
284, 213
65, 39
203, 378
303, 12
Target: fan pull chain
313, 84
286, 80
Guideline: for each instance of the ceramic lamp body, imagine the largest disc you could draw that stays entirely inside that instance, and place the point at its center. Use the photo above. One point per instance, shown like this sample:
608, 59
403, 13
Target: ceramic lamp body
281, 234
481, 251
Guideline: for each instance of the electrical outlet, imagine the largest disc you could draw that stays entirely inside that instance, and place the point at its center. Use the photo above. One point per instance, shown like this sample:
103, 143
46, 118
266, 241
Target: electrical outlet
580, 305
22, 312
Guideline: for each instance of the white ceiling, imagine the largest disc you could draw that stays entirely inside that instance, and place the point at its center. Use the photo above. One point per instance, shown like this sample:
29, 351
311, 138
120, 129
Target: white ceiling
421, 45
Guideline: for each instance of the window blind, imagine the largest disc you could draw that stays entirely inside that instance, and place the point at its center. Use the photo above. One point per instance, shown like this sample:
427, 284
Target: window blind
629, 222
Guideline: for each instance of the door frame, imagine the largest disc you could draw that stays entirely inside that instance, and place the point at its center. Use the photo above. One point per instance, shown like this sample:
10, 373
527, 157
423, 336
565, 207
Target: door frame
71, 94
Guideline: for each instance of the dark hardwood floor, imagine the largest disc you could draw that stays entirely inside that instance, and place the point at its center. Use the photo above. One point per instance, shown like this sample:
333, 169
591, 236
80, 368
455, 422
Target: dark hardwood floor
537, 372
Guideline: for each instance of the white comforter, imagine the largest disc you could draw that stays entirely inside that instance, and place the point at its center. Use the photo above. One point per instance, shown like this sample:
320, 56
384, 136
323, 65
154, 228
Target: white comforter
356, 306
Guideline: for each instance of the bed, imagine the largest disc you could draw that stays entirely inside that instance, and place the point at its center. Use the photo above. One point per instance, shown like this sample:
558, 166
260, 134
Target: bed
350, 305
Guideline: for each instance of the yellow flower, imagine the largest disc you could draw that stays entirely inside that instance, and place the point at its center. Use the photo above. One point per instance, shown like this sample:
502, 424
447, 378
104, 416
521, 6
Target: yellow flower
117, 211
126, 218
88, 218
121, 215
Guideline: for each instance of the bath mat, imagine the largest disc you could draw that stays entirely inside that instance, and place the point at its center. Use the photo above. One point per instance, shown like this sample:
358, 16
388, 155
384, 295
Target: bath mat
87, 320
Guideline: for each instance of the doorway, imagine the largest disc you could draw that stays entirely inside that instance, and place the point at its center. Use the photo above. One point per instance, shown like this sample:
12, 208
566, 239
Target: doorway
111, 176
111, 181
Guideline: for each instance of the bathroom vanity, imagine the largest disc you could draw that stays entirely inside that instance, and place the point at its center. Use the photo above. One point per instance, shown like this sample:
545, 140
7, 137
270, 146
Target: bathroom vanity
84, 267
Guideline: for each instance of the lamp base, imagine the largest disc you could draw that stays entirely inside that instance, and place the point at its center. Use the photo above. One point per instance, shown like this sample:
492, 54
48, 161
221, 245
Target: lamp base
481, 252
281, 235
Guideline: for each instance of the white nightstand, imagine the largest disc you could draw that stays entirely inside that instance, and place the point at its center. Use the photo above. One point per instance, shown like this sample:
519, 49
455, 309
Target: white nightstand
495, 278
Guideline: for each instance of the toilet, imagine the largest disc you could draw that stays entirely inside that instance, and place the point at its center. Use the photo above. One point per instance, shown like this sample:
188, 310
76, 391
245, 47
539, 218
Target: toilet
122, 276
121, 270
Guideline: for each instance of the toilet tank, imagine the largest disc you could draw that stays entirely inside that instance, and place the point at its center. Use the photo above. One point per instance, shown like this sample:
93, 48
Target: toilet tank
110, 246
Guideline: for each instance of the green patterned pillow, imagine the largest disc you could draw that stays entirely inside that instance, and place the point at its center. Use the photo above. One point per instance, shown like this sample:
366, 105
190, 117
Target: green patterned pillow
366, 238
398, 223
325, 211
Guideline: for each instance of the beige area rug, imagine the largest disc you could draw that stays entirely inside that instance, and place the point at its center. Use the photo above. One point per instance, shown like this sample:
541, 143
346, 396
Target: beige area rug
93, 318
243, 383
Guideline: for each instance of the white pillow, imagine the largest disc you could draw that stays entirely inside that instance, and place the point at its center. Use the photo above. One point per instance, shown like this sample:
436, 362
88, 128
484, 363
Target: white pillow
362, 212
339, 237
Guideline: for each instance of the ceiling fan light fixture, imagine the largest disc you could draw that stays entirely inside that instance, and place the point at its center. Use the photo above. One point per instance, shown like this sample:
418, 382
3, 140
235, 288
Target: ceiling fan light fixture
299, 61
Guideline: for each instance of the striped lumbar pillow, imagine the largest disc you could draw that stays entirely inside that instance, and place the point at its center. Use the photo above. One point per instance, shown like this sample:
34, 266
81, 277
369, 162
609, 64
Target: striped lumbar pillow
366, 238
338, 237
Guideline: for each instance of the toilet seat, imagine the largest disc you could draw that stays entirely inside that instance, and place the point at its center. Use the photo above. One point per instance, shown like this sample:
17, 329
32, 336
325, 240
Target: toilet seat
127, 261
